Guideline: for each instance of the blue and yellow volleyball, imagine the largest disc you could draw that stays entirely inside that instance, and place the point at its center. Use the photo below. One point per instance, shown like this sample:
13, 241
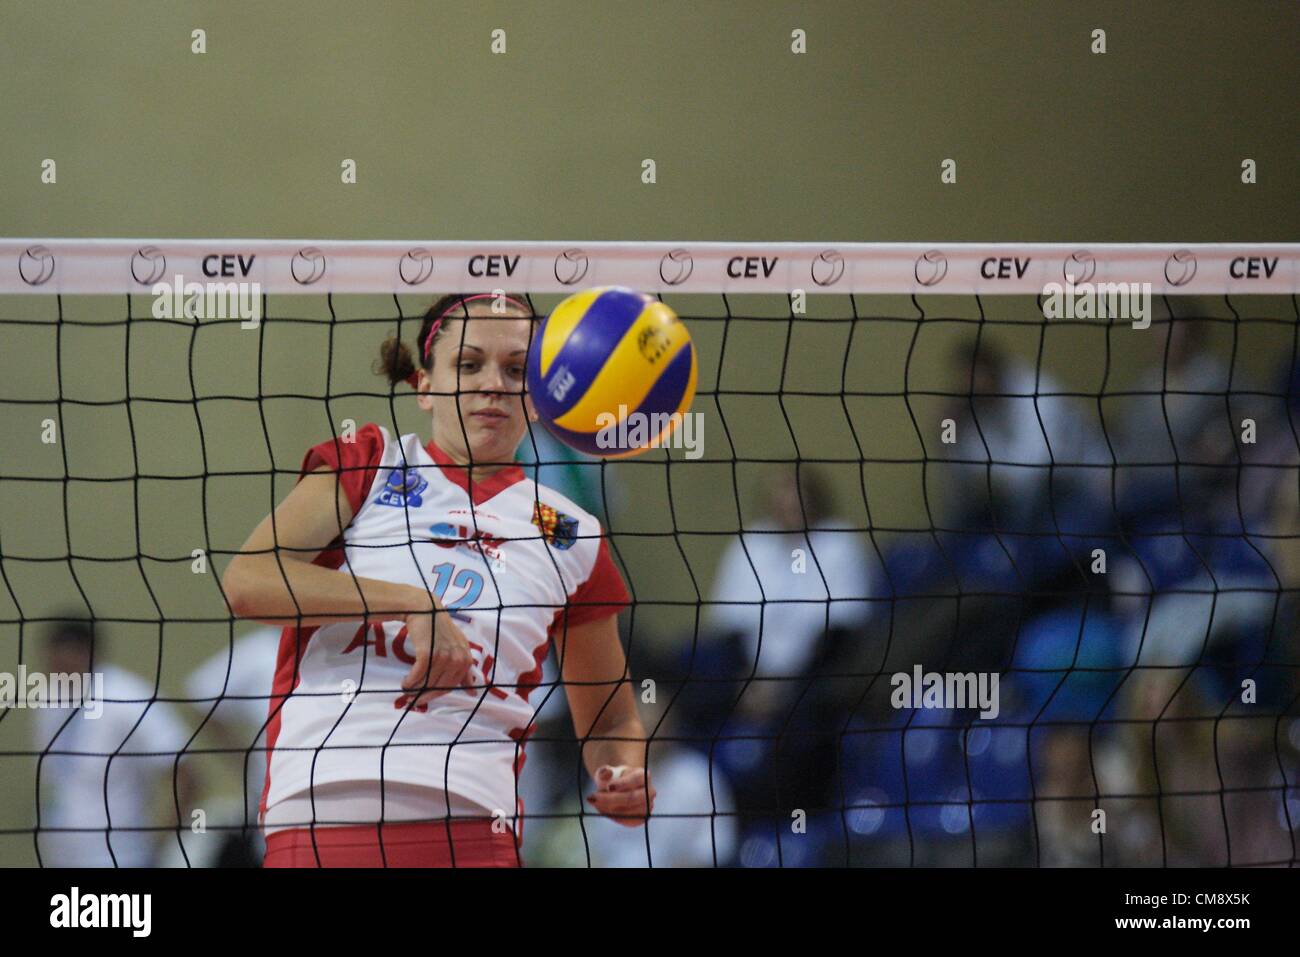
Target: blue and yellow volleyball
611, 355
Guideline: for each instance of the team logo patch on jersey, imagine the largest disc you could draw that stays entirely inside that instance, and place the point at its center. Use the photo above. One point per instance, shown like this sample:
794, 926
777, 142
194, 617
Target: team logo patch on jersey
559, 530
403, 488
447, 535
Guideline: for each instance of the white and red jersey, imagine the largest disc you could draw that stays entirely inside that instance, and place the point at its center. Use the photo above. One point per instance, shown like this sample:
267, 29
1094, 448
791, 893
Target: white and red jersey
516, 563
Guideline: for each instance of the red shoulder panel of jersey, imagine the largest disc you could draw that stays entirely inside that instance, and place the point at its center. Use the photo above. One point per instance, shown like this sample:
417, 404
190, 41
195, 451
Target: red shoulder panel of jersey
356, 462
601, 595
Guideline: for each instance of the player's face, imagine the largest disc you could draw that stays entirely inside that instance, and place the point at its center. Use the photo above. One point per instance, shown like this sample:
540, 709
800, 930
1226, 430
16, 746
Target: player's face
477, 382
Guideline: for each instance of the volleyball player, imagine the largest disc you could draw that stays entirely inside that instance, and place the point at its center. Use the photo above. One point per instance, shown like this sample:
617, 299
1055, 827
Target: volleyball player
424, 584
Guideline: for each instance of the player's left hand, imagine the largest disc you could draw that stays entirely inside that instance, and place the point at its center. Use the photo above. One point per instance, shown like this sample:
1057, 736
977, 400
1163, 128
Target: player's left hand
624, 794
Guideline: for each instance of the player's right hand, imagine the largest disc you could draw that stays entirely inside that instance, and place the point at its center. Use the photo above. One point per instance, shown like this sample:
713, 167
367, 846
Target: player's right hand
443, 661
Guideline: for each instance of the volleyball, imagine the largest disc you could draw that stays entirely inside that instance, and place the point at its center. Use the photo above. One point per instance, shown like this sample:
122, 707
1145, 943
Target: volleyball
612, 372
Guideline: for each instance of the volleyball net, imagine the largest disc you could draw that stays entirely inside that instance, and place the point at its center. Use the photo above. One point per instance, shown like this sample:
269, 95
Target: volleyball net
974, 554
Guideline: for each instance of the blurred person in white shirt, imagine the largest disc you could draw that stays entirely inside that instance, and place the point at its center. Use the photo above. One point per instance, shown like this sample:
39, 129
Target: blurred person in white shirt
1023, 439
810, 567
230, 692
106, 750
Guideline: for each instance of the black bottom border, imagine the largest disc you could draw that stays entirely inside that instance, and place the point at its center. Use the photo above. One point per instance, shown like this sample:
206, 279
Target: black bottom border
337, 906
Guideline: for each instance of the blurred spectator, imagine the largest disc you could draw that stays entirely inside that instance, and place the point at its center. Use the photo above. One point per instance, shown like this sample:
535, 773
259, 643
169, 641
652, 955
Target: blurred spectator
231, 690
1064, 800
1179, 441
105, 752
1025, 446
1268, 465
796, 573
1181, 395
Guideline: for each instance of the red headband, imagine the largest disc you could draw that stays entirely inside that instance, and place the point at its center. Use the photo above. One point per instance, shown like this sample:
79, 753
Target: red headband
414, 377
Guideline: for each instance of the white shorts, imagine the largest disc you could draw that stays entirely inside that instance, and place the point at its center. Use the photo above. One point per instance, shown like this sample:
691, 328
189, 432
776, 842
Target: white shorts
360, 802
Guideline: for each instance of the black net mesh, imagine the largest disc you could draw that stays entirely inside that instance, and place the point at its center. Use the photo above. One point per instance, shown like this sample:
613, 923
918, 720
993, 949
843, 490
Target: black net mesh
944, 582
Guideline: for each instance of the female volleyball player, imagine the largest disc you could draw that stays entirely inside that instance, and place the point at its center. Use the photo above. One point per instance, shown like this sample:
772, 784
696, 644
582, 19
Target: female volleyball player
424, 584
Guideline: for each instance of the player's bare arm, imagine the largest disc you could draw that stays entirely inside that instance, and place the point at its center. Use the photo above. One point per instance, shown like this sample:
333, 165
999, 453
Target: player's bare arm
273, 580
594, 671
